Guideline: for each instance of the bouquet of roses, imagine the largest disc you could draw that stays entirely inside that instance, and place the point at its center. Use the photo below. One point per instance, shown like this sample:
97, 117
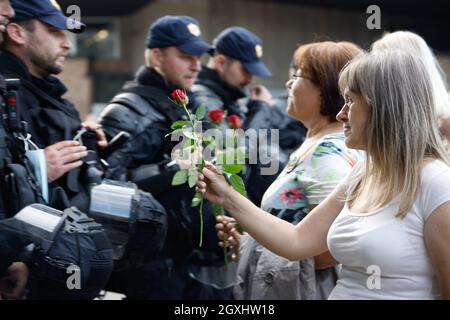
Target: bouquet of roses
229, 159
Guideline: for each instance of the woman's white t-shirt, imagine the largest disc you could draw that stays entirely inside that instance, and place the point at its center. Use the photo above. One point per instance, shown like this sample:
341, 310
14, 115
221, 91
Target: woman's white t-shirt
384, 257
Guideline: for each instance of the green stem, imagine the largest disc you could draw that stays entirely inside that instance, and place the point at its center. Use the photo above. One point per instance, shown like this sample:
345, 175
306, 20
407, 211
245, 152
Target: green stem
190, 117
225, 254
201, 223
225, 242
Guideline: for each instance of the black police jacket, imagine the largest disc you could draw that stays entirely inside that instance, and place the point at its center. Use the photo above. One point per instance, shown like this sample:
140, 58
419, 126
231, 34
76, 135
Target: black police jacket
49, 117
211, 91
143, 109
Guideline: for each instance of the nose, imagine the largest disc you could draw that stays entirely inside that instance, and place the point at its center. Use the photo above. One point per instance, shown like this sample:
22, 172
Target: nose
196, 65
66, 43
7, 11
289, 84
248, 77
342, 116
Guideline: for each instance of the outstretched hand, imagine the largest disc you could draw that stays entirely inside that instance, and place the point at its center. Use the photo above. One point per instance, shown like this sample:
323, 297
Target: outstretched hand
213, 186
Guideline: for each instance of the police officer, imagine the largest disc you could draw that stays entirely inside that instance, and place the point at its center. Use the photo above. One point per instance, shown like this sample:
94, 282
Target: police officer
14, 279
35, 49
143, 108
237, 58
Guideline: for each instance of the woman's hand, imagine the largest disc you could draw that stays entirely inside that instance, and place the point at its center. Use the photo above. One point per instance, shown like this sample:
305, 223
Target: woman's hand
213, 186
226, 231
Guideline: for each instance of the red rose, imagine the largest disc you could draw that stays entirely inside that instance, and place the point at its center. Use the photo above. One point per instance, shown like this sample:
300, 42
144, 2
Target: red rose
235, 122
180, 97
217, 116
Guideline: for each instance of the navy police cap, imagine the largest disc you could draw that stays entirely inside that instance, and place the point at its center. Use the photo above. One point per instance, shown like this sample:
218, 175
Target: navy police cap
240, 44
182, 32
48, 11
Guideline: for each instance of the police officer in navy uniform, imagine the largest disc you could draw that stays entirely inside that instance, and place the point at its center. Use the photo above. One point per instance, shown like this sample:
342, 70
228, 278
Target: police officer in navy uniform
143, 109
14, 278
35, 49
237, 59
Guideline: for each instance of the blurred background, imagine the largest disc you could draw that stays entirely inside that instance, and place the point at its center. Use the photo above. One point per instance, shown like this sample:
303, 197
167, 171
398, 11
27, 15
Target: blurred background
112, 47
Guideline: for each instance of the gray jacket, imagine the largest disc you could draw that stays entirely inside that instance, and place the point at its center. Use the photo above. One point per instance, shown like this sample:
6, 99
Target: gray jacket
263, 275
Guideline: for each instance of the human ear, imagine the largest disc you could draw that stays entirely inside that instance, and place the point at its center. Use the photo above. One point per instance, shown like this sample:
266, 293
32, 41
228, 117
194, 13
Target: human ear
16, 34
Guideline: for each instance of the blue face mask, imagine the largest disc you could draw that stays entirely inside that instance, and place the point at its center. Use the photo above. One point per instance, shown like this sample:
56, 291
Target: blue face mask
37, 158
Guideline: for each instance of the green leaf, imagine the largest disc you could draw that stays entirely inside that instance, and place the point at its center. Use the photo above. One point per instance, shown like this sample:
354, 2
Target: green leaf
196, 199
201, 111
218, 210
208, 139
238, 184
173, 133
232, 168
180, 177
190, 135
179, 124
193, 177
189, 143
202, 163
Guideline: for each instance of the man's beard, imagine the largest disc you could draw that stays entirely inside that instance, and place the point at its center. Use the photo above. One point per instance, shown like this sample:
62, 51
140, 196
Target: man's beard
46, 64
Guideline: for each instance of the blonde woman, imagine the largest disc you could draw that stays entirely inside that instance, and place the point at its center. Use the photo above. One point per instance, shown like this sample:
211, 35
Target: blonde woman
416, 45
388, 223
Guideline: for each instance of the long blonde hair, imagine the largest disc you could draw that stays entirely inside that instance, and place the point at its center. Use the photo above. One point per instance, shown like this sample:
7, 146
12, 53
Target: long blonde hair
416, 45
402, 129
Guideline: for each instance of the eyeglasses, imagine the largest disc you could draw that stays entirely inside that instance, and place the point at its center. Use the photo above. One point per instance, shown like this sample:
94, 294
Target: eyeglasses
295, 77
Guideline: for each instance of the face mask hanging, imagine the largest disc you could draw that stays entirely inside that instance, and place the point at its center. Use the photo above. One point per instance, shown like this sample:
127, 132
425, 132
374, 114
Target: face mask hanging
37, 158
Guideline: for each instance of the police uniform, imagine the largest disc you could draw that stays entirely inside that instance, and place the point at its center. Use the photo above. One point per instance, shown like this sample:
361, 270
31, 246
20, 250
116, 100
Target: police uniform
49, 117
144, 110
239, 44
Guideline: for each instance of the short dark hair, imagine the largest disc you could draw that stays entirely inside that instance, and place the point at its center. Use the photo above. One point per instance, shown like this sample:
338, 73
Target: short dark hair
28, 25
322, 62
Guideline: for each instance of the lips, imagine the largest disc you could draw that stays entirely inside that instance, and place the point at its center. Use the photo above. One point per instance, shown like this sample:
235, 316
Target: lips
190, 78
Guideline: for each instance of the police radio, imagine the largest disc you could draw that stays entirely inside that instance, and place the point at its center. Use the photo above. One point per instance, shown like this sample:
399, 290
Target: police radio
11, 103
